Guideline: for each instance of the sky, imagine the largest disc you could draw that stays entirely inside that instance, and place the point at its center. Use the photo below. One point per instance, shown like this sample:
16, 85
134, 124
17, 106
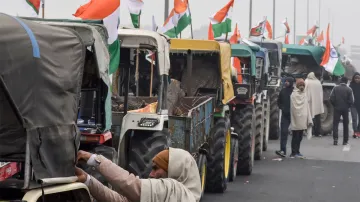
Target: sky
338, 13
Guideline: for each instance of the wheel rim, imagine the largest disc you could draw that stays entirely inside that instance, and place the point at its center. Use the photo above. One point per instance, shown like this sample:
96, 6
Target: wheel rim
324, 115
227, 153
203, 177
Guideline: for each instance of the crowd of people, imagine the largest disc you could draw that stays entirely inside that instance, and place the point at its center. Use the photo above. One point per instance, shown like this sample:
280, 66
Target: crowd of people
302, 105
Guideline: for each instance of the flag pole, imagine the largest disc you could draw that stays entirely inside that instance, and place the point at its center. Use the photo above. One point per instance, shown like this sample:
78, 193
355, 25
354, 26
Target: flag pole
43, 8
191, 26
274, 16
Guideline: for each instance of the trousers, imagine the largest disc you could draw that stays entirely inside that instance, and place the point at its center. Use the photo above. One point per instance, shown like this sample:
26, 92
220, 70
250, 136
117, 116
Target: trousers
285, 123
336, 120
297, 136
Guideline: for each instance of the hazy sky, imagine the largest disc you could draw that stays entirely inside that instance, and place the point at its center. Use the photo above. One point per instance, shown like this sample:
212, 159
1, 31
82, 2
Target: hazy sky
342, 14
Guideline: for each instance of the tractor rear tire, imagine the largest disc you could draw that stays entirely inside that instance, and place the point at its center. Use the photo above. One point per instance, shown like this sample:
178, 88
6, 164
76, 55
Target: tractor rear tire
327, 118
234, 159
109, 153
144, 146
274, 114
242, 123
258, 133
202, 165
266, 130
219, 157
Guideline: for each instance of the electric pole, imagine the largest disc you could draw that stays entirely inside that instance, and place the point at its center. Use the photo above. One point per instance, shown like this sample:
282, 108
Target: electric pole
307, 16
294, 21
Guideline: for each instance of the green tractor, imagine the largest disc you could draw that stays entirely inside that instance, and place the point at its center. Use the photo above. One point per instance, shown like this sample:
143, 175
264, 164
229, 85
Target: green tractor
297, 62
274, 81
247, 116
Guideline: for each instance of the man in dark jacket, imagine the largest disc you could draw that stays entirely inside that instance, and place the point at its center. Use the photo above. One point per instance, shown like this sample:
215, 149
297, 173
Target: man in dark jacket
342, 99
355, 110
284, 104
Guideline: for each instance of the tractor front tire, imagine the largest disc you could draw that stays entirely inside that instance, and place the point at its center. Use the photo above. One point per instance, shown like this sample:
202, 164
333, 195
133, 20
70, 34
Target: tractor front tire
242, 123
144, 146
327, 118
219, 157
258, 132
202, 165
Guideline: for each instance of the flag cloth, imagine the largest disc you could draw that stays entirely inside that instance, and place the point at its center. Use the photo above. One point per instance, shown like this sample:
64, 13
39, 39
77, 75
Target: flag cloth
268, 30
236, 36
258, 30
32, 8
150, 56
320, 38
312, 31
210, 32
221, 21
178, 19
287, 27
330, 60
109, 12
286, 39
135, 7
236, 63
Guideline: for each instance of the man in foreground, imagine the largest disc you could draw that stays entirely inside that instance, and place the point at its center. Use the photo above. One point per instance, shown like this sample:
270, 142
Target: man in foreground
314, 93
342, 99
284, 104
300, 117
175, 178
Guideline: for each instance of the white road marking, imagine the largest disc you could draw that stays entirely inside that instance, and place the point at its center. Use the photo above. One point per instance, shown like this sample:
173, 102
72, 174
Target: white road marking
346, 148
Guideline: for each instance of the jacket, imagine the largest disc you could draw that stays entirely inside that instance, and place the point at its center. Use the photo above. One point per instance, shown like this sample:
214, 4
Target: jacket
341, 97
356, 91
300, 111
182, 184
284, 98
314, 93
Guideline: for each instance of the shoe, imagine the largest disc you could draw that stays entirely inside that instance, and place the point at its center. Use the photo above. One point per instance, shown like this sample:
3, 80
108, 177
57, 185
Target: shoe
345, 143
300, 156
292, 156
355, 136
281, 153
335, 142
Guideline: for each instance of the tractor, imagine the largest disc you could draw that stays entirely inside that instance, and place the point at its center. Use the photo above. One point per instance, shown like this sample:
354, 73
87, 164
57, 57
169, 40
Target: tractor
41, 77
248, 117
200, 121
300, 60
273, 85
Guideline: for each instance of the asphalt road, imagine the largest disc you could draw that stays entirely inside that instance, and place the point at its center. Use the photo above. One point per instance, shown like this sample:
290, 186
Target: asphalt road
328, 174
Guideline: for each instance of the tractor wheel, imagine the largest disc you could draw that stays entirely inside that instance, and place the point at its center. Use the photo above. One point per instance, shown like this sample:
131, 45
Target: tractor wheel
202, 164
242, 123
327, 118
144, 146
109, 153
234, 158
266, 108
274, 114
219, 157
258, 132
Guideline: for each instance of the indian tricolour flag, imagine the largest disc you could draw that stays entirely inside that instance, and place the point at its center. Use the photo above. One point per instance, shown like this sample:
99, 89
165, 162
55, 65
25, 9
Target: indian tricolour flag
178, 19
32, 8
135, 7
221, 21
109, 12
330, 60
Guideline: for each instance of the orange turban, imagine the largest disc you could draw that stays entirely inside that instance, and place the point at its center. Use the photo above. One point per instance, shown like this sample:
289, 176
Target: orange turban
162, 160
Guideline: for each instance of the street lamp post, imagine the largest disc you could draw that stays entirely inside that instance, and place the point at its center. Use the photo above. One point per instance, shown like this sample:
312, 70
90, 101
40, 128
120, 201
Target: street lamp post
274, 21
294, 21
166, 12
250, 15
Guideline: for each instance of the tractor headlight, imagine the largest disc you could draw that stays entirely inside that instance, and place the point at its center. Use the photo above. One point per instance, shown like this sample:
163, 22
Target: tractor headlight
148, 122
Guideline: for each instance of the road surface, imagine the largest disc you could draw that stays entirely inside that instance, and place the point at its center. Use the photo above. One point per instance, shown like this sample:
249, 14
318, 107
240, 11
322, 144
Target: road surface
328, 174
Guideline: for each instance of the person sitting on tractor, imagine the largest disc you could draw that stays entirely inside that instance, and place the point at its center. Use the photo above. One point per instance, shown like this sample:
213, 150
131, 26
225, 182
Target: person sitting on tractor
174, 177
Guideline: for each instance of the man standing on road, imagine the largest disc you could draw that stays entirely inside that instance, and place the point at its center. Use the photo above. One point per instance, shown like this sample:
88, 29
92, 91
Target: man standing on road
342, 99
314, 93
284, 104
300, 117
175, 177
355, 110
